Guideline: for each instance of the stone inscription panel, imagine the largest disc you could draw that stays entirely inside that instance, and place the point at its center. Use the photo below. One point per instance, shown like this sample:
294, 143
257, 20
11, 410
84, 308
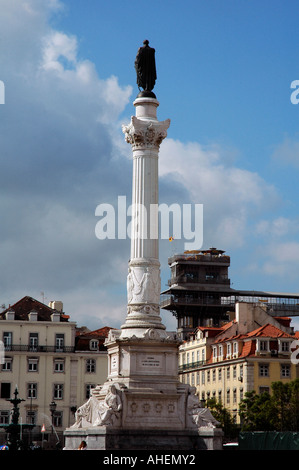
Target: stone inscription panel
150, 362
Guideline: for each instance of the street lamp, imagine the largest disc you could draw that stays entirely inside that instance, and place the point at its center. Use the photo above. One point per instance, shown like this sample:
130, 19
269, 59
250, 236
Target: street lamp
52, 407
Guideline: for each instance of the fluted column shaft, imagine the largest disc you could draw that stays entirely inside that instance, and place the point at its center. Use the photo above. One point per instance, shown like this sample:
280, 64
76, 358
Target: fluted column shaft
145, 133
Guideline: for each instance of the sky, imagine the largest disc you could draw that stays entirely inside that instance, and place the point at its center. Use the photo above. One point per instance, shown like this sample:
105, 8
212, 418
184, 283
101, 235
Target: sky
224, 76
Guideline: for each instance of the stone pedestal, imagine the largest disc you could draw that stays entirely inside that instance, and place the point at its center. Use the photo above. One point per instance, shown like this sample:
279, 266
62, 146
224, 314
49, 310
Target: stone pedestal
143, 405
105, 438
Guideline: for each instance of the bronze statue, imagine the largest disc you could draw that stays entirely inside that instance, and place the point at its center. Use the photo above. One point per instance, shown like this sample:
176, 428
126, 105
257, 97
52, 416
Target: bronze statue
145, 67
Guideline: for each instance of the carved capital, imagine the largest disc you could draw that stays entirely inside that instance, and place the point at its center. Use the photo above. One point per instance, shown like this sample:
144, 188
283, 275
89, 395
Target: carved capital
145, 134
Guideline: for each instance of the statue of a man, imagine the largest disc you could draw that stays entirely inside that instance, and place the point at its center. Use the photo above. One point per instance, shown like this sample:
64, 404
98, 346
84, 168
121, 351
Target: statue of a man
145, 66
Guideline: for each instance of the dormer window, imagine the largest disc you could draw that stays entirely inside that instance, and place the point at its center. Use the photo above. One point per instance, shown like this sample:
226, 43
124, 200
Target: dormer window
94, 345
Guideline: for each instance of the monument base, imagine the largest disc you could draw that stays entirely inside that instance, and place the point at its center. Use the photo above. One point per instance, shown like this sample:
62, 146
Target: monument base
143, 405
105, 438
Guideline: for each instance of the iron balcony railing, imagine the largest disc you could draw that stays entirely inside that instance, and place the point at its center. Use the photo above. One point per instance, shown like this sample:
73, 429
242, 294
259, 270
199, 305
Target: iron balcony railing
29, 348
198, 280
191, 366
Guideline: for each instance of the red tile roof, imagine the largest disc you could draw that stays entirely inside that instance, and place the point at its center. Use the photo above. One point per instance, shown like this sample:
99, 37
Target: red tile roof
82, 340
27, 304
269, 331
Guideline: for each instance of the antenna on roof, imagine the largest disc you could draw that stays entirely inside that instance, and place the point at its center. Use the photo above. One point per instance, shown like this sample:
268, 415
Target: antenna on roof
43, 297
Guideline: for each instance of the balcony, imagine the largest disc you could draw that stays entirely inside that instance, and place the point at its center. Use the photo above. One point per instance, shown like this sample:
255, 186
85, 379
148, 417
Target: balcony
224, 280
39, 349
172, 301
204, 258
191, 366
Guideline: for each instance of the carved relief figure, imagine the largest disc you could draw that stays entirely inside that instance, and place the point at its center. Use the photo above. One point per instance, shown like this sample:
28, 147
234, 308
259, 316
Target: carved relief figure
86, 413
143, 285
109, 409
199, 416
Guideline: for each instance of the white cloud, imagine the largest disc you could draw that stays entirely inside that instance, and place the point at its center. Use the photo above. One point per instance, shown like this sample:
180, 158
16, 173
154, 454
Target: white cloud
281, 259
231, 195
287, 153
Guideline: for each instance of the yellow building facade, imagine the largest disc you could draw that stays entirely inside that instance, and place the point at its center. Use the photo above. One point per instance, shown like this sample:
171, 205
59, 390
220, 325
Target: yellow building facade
48, 360
226, 362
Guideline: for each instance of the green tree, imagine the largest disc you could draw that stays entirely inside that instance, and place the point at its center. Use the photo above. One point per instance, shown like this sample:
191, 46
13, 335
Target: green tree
278, 411
257, 412
285, 397
224, 417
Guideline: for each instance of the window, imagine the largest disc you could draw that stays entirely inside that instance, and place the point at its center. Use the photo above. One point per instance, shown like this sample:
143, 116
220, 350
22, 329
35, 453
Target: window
221, 350
234, 372
31, 390
88, 389
203, 377
4, 417
264, 390
58, 391
228, 396
285, 346
228, 349
214, 375
263, 345
208, 375
32, 364
7, 340
220, 374
57, 419
59, 341
285, 371
90, 365
235, 395
58, 365
228, 373
31, 417
5, 390
7, 365
33, 341
94, 345
264, 370
197, 378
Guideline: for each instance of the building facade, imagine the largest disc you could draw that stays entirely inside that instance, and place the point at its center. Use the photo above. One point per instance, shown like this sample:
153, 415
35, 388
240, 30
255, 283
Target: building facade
50, 361
200, 292
226, 362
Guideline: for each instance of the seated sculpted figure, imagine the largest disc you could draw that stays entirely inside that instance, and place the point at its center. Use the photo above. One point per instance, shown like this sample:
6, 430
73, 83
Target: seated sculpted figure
199, 416
85, 414
109, 409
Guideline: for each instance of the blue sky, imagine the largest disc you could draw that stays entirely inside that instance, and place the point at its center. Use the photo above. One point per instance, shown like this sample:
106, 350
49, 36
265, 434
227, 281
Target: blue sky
224, 74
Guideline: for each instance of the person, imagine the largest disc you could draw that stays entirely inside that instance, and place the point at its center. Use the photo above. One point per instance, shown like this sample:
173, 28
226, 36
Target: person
82, 446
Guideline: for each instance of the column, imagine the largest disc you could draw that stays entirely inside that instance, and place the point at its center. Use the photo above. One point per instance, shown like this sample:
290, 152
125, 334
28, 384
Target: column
145, 134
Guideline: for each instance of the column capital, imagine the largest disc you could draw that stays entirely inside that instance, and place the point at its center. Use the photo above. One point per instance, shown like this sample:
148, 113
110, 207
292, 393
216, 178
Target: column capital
144, 134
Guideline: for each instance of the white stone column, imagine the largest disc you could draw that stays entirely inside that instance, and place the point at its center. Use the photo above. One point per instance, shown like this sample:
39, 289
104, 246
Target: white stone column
145, 134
